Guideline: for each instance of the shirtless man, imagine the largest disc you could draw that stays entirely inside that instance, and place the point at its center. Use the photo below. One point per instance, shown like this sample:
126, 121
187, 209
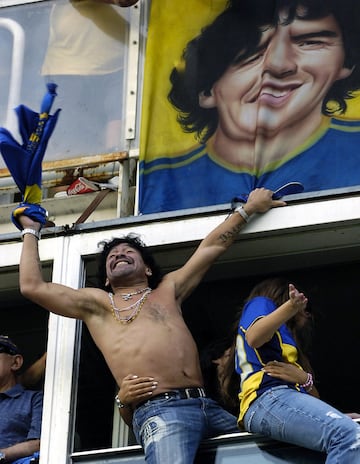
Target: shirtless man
141, 330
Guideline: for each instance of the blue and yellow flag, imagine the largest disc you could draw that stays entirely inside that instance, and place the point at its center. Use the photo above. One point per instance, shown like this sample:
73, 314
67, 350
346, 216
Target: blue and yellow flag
24, 161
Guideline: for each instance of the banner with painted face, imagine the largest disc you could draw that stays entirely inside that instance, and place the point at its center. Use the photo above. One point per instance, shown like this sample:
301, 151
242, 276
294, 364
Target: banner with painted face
245, 94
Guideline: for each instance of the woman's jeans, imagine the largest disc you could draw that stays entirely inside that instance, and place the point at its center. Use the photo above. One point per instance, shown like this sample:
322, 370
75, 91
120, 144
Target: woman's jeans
287, 415
170, 430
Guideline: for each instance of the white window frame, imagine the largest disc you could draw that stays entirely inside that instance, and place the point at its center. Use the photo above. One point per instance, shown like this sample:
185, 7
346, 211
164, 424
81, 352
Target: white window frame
322, 232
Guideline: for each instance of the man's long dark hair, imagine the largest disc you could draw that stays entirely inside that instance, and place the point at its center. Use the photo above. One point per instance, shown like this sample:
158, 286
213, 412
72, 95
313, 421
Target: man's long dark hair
135, 242
235, 34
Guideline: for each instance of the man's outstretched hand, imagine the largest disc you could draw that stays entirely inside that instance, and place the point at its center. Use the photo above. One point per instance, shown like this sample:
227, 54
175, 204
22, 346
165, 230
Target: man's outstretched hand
27, 223
260, 200
34, 212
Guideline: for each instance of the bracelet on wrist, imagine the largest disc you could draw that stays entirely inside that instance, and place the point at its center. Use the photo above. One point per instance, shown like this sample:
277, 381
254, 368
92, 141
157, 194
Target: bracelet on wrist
120, 404
242, 212
33, 232
309, 382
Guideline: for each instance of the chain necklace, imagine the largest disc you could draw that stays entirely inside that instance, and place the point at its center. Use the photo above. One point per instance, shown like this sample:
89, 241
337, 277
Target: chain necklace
127, 308
137, 308
128, 296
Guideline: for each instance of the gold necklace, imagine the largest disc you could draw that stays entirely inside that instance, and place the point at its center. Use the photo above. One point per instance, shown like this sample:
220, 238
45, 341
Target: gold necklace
128, 296
118, 310
137, 308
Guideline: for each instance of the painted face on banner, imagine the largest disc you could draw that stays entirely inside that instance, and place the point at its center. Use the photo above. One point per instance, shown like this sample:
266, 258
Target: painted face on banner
283, 83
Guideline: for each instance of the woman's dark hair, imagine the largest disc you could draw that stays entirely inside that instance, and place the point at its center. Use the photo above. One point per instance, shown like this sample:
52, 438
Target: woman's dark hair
213, 384
135, 242
229, 388
276, 288
235, 34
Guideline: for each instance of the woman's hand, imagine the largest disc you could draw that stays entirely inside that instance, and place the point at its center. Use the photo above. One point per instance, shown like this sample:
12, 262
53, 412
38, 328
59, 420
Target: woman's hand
285, 371
134, 389
298, 299
289, 373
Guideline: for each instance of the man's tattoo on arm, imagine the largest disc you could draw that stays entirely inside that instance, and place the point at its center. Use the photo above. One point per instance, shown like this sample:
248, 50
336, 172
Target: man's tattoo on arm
230, 234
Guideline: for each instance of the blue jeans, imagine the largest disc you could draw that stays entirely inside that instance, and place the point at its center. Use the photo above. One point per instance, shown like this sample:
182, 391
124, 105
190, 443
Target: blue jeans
287, 415
170, 430
28, 460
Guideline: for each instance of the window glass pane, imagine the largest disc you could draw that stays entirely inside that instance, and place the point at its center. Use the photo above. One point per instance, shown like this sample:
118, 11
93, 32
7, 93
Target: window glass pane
26, 324
95, 399
80, 45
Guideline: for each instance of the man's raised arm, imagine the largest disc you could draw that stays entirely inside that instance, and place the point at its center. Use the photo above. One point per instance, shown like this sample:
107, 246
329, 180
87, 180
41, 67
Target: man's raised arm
60, 299
219, 240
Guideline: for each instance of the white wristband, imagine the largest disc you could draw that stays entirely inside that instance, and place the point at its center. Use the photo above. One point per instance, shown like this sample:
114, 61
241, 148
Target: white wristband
32, 232
242, 212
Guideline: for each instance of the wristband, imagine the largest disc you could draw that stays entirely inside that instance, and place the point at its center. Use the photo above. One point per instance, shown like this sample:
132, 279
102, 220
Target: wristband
119, 404
309, 383
242, 212
33, 232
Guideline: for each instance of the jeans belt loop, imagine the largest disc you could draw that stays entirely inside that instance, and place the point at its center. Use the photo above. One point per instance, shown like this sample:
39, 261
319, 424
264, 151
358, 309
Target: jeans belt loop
188, 392
201, 393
